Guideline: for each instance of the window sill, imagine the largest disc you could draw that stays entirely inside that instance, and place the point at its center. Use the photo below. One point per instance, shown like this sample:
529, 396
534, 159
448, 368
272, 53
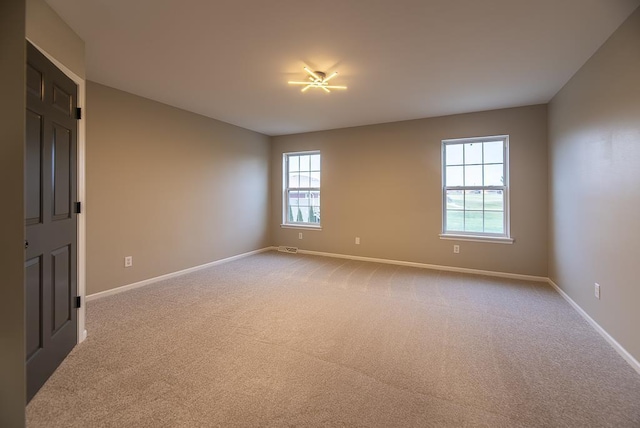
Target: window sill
476, 238
300, 226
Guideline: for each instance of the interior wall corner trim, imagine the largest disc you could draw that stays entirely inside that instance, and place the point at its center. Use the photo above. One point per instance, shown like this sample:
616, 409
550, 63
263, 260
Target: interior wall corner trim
614, 343
429, 266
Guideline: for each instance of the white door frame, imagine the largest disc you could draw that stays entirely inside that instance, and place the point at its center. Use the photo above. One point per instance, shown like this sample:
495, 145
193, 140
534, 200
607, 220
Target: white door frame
82, 332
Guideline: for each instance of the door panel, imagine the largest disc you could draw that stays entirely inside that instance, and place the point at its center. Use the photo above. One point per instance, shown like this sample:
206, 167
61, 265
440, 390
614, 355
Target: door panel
61, 300
51, 224
61, 172
33, 280
34, 168
62, 101
34, 82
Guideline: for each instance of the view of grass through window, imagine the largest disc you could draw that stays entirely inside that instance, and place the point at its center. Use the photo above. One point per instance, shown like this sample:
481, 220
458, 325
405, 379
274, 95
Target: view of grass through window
475, 186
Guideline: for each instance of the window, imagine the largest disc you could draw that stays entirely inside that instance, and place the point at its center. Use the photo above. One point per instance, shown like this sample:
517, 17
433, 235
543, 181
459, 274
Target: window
475, 188
301, 189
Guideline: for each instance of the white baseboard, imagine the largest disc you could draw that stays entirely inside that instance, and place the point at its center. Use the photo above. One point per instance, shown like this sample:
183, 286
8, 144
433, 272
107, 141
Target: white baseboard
619, 349
429, 266
138, 284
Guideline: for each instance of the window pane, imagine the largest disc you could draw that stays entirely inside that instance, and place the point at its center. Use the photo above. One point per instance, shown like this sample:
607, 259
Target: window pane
494, 222
473, 153
493, 175
304, 179
293, 199
292, 206
453, 154
455, 221
294, 180
315, 179
493, 200
493, 152
309, 199
294, 163
315, 205
312, 215
297, 214
473, 175
315, 163
315, 199
473, 200
455, 199
476, 169
454, 176
304, 163
303, 205
473, 221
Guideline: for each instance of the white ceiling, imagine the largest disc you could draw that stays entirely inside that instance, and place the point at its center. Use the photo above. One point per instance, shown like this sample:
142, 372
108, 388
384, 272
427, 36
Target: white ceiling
401, 59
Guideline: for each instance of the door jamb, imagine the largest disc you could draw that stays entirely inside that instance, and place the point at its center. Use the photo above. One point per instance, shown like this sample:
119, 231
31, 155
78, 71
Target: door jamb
82, 332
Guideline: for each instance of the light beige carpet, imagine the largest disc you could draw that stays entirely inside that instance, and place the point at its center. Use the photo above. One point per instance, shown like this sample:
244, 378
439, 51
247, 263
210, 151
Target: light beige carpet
288, 340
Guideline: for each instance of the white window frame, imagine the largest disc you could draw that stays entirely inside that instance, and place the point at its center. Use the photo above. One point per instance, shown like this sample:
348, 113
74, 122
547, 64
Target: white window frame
287, 190
505, 237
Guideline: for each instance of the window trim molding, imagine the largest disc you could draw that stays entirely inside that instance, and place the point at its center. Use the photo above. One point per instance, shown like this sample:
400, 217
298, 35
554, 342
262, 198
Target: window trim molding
286, 189
477, 236
300, 226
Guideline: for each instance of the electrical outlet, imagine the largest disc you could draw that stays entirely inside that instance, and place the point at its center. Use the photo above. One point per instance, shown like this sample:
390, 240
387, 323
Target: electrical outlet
596, 290
300, 235
128, 261
456, 249
357, 240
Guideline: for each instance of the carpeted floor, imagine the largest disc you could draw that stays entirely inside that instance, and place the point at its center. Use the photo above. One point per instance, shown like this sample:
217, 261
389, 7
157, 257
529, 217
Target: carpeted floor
289, 340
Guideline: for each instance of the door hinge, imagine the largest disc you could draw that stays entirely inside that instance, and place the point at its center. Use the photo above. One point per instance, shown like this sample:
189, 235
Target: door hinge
78, 302
78, 113
77, 207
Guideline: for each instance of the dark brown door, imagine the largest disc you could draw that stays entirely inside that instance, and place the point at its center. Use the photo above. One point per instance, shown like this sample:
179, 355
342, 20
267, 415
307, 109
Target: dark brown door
51, 233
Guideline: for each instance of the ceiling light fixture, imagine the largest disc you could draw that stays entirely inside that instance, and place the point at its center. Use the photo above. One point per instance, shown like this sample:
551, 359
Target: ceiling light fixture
318, 79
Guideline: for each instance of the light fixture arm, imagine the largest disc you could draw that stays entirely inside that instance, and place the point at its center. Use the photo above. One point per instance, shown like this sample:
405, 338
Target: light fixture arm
318, 79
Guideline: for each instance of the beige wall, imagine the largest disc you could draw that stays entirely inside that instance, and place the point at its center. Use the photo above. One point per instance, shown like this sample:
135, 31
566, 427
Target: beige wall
171, 188
12, 116
383, 184
594, 193
50, 33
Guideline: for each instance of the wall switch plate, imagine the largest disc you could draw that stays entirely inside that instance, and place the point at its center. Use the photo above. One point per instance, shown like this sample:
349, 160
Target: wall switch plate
300, 235
596, 290
128, 261
357, 240
456, 249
